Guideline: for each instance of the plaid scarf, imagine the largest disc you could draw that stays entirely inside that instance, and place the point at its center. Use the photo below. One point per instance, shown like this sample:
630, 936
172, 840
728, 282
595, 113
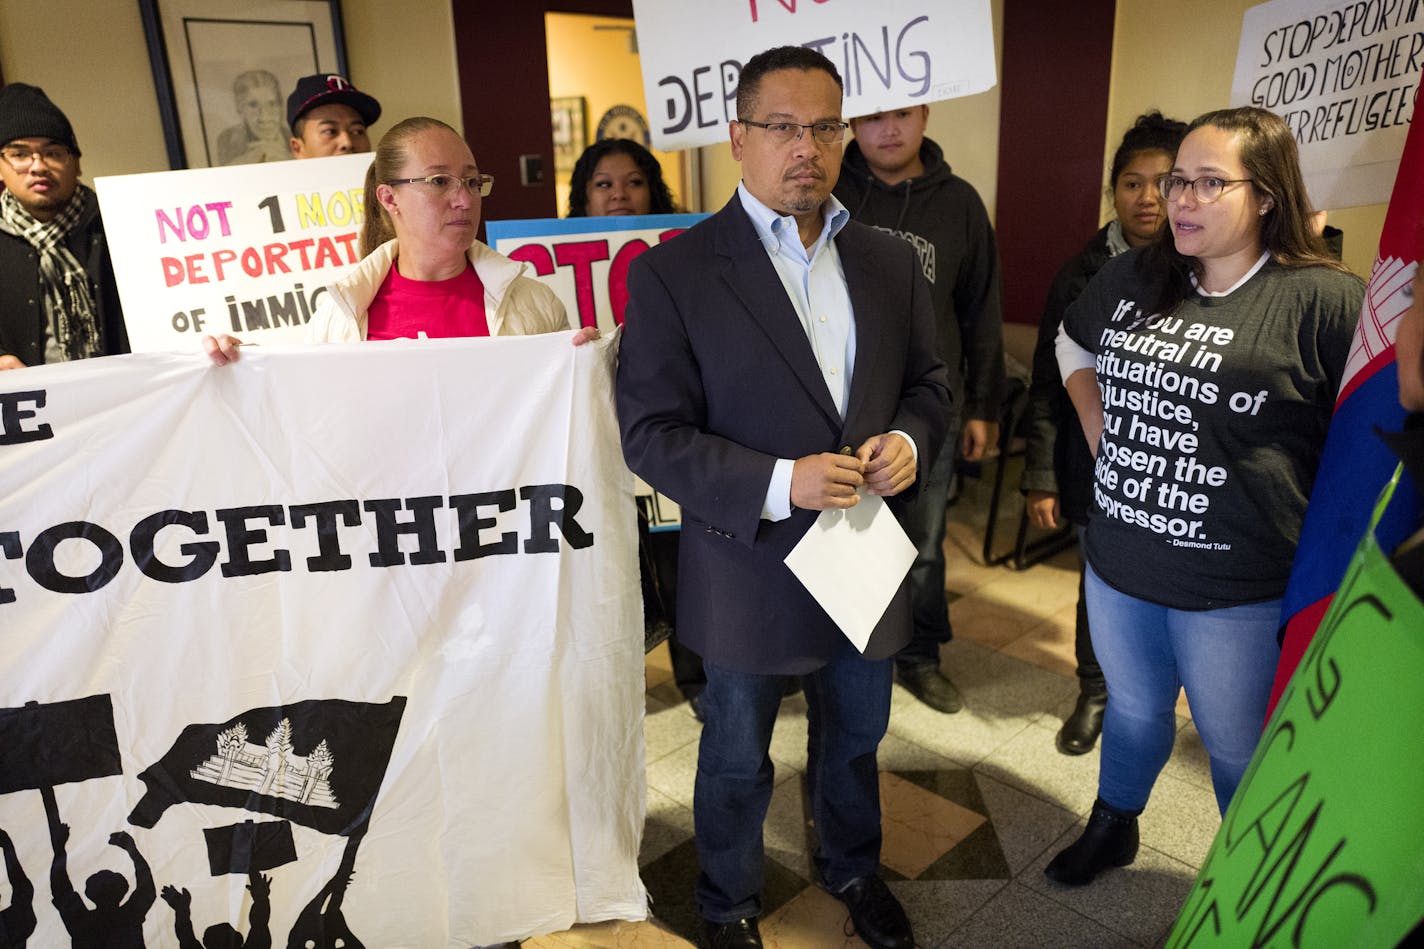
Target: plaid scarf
68, 298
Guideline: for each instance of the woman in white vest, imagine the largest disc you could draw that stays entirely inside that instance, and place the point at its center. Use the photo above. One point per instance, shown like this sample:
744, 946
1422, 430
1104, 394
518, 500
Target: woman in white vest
423, 274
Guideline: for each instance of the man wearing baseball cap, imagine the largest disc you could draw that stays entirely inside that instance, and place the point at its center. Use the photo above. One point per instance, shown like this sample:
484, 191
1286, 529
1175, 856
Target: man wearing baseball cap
329, 116
58, 298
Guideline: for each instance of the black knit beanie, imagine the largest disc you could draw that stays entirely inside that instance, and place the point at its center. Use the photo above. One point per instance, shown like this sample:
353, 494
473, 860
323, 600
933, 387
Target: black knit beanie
26, 112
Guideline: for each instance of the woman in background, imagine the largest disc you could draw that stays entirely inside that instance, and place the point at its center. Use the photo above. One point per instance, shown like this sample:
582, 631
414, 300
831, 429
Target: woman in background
1058, 469
1204, 369
423, 273
618, 176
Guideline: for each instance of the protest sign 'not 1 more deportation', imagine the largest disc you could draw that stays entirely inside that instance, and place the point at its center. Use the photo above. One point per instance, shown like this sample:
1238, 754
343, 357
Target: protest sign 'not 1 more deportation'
247, 250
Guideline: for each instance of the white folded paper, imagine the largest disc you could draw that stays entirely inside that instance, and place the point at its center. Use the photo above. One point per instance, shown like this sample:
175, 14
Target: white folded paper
852, 562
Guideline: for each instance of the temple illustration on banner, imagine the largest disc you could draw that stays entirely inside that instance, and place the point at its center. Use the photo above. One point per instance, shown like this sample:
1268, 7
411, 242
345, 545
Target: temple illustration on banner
270, 768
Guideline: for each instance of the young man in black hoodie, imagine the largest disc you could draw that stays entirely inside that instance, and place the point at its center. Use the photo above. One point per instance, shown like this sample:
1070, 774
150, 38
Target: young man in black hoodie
895, 179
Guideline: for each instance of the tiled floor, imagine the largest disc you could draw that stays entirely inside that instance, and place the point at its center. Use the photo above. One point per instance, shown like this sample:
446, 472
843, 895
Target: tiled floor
974, 803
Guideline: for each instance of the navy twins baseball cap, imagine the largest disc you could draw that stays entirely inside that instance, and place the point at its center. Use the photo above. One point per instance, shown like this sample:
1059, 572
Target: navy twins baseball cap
326, 89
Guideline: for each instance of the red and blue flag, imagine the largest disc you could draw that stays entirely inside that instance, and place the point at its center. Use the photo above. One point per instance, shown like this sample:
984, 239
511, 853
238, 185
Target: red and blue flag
1356, 464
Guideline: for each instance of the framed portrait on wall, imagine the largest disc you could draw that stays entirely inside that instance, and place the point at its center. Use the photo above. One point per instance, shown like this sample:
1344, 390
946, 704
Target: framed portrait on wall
223, 72
570, 118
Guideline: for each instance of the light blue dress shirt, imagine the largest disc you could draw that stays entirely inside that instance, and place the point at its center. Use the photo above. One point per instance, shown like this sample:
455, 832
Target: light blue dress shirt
816, 286
815, 283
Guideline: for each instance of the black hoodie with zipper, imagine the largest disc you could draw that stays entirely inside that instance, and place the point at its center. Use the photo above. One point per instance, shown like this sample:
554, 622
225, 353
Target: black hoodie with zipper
943, 218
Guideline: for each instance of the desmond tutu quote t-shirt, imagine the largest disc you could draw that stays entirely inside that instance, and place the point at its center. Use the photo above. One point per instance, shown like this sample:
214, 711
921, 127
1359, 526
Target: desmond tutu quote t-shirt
1214, 418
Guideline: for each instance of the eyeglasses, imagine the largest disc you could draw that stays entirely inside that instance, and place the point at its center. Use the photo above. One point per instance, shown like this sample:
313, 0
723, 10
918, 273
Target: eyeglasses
1207, 188
52, 156
784, 133
481, 185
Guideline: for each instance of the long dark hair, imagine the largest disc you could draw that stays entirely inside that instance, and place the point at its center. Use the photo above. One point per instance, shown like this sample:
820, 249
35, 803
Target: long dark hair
390, 156
587, 164
1268, 153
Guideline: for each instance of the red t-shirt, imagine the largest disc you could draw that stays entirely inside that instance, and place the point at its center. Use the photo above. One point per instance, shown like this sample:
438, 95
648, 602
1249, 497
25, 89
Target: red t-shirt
437, 309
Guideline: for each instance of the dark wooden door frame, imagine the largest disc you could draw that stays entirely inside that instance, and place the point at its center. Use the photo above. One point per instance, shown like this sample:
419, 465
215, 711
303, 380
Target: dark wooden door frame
1055, 76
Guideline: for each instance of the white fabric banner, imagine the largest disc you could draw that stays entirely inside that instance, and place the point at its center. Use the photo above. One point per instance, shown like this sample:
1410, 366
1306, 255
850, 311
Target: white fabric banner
380, 599
247, 250
1344, 77
890, 54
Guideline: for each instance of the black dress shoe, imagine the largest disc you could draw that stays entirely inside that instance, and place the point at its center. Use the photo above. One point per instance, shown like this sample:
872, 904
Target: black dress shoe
878, 917
740, 934
694, 702
1080, 730
1109, 840
931, 686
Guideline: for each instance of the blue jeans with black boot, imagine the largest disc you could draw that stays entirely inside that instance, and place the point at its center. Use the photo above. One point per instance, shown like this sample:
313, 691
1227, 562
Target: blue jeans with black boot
1225, 659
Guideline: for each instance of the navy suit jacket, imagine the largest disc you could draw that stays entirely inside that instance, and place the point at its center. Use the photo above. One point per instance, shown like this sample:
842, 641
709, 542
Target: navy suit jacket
717, 380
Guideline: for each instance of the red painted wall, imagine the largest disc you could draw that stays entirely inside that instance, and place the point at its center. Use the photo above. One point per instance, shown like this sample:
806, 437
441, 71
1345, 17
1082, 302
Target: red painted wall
502, 57
1054, 109
504, 93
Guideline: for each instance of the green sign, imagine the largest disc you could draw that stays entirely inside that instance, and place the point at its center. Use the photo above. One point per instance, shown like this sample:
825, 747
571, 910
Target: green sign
1323, 844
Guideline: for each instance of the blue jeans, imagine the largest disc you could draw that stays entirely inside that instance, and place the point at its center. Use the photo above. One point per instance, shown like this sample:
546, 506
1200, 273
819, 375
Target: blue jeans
1225, 659
924, 525
1090, 674
848, 709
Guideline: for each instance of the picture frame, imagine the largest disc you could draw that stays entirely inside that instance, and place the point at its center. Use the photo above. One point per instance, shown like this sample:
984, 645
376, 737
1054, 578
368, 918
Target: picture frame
223, 77
569, 115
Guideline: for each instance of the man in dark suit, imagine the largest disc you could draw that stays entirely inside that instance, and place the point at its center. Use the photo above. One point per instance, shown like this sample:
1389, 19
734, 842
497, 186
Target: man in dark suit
777, 359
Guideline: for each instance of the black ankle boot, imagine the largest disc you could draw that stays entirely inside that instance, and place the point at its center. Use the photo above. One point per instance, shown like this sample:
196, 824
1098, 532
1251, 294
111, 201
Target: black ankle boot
1109, 840
1081, 729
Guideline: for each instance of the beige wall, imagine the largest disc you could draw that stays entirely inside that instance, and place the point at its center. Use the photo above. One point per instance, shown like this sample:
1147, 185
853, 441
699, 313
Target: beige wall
96, 69
109, 98
1184, 72
404, 54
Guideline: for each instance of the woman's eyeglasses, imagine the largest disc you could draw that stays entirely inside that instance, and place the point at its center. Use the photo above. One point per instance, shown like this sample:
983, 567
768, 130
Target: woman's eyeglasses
481, 185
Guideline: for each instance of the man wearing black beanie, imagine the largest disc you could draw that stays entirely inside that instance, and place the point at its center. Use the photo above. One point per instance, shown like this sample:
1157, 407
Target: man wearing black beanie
58, 298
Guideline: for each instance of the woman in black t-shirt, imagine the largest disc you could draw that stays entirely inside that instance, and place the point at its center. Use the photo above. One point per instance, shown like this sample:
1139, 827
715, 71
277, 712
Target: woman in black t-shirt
1204, 369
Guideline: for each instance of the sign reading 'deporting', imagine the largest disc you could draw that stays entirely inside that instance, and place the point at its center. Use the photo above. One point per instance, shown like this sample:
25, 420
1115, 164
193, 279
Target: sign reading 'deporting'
890, 54
247, 249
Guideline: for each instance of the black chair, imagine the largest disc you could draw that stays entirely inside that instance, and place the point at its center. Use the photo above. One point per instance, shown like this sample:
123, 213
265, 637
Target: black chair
1024, 553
